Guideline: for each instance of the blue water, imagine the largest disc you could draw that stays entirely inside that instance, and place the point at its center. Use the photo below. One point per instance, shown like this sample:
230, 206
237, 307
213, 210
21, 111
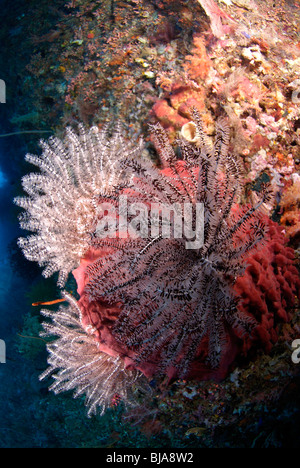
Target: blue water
8, 232
8, 228
3, 180
18, 375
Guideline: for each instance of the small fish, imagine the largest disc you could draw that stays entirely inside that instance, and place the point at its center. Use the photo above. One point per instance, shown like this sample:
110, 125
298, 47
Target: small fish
48, 302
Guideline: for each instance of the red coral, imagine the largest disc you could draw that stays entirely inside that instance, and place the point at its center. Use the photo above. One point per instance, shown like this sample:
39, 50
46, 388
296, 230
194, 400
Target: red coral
198, 64
268, 288
182, 99
168, 116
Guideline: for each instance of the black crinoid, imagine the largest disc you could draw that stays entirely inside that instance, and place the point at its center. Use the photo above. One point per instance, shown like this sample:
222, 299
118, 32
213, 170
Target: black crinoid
173, 275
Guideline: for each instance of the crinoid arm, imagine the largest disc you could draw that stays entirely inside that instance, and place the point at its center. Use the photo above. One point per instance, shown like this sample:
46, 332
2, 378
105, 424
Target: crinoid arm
61, 206
76, 363
175, 298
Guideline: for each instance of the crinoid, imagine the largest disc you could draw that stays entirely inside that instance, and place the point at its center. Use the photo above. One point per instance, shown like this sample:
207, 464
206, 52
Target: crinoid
156, 251
62, 197
176, 291
76, 363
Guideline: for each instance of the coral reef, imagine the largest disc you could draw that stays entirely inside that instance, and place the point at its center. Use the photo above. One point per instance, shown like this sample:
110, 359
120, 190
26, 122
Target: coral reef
290, 206
94, 61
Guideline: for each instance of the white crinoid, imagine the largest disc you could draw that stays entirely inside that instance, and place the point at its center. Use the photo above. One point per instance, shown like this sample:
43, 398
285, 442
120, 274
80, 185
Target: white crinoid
60, 208
76, 363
